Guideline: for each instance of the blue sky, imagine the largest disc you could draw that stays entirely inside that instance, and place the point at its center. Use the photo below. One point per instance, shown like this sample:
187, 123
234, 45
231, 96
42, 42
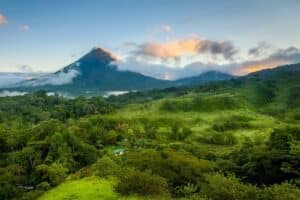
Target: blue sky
47, 35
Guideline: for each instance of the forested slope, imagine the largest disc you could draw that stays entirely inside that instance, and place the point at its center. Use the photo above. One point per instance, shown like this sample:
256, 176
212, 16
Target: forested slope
237, 139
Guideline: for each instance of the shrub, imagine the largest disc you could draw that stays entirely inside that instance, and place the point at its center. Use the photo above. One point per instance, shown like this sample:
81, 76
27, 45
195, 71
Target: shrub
179, 168
141, 183
105, 167
43, 186
218, 138
215, 103
233, 123
281, 192
177, 105
293, 100
110, 138
220, 187
178, 133
54, 174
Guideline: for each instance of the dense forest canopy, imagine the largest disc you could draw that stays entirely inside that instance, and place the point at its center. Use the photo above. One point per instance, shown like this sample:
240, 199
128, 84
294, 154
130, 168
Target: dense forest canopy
237, 139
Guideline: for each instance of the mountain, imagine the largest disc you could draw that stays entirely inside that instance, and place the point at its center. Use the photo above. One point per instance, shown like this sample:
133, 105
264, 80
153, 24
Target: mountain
96, 72
206, 77
280, 70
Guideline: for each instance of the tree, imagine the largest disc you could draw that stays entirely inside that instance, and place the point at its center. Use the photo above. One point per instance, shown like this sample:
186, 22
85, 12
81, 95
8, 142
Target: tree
54, 174
141, 183
219, 187
105, 167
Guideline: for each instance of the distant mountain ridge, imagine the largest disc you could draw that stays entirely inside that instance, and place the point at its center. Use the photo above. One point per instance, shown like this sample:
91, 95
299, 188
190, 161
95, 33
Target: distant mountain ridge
292, 68
205, 77
97, 71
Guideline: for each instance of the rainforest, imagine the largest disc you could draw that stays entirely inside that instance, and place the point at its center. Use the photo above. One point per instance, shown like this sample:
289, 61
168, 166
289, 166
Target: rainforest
234, 139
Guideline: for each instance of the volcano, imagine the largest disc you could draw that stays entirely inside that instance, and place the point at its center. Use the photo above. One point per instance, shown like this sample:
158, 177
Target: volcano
97, 70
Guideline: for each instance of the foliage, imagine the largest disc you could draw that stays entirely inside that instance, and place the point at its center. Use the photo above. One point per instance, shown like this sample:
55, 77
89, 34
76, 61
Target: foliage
237, 139
105, 167
141, 183
219, 187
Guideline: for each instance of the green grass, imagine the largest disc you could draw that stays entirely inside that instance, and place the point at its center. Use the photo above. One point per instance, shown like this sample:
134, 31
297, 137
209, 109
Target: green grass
90, 188
84, 189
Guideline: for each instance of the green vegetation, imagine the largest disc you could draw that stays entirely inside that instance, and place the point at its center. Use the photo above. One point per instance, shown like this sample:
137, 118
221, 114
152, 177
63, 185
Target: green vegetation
238, 139
84, 189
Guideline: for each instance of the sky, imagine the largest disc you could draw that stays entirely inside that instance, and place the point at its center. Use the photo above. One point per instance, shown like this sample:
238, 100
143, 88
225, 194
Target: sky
162, 38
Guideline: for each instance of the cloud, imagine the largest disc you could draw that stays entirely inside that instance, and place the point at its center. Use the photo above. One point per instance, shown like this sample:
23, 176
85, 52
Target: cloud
24, 28
7, 79
149, 69
166, 28
260, 49
171, 49
279, 57
25, 68
59, 78
188, 46
3, 19
13, 79
289, 55
225, 48
7, 93
162, 71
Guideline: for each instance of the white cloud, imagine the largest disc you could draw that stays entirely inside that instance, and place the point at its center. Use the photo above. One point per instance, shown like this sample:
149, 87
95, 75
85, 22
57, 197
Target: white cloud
59, 78
24, 28
7, 93
166, 28
25, 69
8, 79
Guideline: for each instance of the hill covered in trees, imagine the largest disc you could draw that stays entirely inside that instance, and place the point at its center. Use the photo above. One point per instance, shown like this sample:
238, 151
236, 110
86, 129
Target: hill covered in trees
237, 139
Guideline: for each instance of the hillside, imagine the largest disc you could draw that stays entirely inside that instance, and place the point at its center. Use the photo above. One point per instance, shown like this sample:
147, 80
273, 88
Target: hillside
205, 77
235, 139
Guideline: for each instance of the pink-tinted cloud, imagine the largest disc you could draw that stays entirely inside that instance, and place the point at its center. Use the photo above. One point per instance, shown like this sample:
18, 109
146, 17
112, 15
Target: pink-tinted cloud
277, 58
187, 46
3, 19
280, 57
254, 66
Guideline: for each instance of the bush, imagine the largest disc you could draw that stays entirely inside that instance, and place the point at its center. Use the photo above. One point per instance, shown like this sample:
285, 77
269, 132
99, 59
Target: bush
219, 187
293, 100
110, 138
176, 105
105, 167
178, 133
230, 125
281, 192
235, 122
215, 103
218, 138
54, 174
43, 186
179, 168
141, 183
